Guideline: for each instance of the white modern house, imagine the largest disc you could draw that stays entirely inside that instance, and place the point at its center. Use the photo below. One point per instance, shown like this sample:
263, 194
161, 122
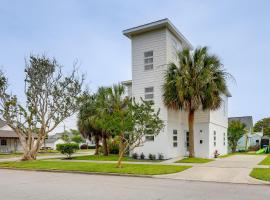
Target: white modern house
153, 47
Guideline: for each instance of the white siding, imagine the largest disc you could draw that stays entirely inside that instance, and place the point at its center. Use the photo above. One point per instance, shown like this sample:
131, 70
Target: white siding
165, 46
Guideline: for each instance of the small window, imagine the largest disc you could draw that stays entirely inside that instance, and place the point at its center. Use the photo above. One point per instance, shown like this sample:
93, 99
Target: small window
215, 144
175, 138
201, 141
175, 132
175, 144
201, 131
148, 60
149, 138
149, 93
3, 142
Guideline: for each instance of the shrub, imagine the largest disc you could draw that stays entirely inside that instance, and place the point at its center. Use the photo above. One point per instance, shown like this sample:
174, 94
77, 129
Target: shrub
67, 149
160, 156
152, 156
135, 156
142, 156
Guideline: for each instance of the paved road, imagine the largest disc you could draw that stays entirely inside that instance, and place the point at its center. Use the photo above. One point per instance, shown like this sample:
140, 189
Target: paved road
23, 185
233, 169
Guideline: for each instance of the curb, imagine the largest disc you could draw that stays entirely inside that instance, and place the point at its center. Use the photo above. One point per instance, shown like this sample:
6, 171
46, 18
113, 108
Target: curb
78, 172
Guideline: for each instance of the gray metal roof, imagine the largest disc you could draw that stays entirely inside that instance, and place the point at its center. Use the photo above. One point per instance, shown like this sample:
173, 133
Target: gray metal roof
8, 134
247, 120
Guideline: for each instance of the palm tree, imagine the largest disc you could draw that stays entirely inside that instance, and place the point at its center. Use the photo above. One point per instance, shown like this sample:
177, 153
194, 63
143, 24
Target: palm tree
195, 82
236, 130
86, 120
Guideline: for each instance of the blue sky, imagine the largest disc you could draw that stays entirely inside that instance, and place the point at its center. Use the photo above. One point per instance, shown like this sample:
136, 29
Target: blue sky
90, 31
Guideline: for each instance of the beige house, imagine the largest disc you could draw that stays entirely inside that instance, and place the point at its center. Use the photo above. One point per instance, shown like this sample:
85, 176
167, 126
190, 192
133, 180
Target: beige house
9, 141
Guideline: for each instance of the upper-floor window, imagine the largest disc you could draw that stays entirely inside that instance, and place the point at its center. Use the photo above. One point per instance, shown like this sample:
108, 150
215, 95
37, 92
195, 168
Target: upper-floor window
149, 93
148, 60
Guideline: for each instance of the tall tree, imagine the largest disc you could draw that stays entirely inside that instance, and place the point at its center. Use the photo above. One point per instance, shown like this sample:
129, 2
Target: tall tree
195, 82
86, 120
130, 121
263, 125
236, 130
51, 97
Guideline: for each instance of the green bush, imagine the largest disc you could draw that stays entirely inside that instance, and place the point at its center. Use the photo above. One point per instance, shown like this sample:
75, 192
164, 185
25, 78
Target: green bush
152, 156
135, 156
67, 149
142, 156
160, 156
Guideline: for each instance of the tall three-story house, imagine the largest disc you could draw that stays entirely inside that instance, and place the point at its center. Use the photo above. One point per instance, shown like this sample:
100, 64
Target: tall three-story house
154, 46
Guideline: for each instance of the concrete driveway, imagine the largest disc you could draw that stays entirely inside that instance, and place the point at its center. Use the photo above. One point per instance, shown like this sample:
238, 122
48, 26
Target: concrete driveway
234, 169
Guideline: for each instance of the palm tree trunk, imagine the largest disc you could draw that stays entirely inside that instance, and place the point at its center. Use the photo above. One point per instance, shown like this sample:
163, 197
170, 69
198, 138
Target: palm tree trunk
105, 145
191, 133
97, 144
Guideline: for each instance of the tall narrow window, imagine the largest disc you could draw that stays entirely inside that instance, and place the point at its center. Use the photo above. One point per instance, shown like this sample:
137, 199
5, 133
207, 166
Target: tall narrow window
215, 138
148, 60
149, 93
224, 139
175, 139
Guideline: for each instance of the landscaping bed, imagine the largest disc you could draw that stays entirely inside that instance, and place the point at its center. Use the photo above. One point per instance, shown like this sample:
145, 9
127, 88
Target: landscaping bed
135, 169
194, 160
261, 173
111, 157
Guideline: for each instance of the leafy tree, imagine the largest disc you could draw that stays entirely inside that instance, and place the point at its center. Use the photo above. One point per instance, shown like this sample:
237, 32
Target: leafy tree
77, 139
130, 121
67, 149
236, 130
195, 82
51, 97
263, 125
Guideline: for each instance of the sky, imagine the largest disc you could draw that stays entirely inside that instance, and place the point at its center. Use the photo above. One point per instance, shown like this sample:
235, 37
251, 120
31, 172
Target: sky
91, 32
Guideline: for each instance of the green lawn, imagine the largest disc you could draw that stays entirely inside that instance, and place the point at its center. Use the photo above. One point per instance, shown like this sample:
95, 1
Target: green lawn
266, 161
110, 158
260, 173
194, 160
136, 169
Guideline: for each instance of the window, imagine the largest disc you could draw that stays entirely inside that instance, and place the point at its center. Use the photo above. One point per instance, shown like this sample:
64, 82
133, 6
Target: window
3, 142
215, 138
149, 138
187, 139
148, 60
201, 141
224, 108
224, 139
149, 93
175, 138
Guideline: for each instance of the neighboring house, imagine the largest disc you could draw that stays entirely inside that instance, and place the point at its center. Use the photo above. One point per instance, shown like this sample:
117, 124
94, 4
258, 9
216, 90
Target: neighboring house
52, 142
247, 139
55, 139
154, 46
9, 140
